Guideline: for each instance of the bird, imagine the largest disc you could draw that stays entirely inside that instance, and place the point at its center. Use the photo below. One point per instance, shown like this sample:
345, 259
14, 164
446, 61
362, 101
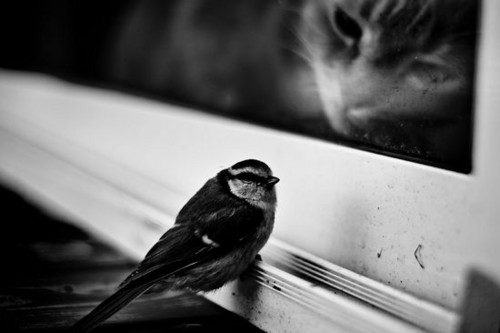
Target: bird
216, 236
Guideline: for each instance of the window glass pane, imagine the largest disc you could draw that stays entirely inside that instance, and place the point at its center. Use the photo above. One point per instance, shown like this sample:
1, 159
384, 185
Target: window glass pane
391, 76
394, 77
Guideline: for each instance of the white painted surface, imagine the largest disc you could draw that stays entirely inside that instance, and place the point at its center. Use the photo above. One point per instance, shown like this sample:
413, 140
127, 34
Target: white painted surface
340, 204
119, 206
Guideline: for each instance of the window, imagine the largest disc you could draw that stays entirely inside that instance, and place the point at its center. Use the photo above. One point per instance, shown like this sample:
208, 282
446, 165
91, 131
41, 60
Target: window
414, 208
393, 79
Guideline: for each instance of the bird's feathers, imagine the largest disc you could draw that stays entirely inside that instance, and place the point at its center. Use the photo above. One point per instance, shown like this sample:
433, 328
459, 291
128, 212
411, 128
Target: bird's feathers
183, 246
108, 307
215, 238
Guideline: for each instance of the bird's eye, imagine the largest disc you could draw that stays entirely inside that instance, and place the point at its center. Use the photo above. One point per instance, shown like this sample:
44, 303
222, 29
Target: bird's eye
249, 178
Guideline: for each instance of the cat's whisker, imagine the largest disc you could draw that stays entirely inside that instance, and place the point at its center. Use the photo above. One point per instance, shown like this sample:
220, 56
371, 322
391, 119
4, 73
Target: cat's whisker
291, 9
303, 56
301, 52
303, 42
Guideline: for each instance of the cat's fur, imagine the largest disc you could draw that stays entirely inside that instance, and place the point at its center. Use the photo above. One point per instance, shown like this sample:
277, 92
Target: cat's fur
396, 75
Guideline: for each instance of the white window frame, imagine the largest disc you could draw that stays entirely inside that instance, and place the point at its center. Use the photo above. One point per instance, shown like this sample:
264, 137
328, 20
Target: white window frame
122, 166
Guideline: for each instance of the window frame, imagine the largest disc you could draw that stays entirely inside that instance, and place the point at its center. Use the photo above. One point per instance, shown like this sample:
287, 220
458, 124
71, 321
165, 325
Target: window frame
365, 212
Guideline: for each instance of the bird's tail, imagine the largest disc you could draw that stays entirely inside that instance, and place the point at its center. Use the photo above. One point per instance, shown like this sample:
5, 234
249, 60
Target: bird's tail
108, 307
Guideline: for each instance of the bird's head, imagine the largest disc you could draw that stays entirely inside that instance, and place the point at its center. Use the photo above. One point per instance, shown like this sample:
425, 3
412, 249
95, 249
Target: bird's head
253, 181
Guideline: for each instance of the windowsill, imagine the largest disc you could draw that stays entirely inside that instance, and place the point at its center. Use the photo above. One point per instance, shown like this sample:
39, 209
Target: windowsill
120, 201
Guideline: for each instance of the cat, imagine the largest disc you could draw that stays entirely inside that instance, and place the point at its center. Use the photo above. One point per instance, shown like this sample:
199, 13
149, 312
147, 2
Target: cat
394, 76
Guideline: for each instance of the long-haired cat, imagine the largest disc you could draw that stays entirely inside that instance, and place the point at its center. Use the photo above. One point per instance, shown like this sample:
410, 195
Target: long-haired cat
392, 75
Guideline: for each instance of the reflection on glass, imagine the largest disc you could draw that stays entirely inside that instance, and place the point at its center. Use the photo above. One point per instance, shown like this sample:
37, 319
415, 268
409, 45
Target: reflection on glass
392, 76
397, 75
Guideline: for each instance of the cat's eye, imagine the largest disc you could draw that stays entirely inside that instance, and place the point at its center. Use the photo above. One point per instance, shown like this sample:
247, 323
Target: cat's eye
347, 25
424, 74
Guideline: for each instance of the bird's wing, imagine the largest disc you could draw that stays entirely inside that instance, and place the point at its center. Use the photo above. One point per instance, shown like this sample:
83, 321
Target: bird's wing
108, 307
214, 233
176, 251
180, 248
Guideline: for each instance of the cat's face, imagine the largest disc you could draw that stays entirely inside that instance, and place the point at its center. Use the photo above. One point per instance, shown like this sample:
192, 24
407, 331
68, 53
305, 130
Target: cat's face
396, 74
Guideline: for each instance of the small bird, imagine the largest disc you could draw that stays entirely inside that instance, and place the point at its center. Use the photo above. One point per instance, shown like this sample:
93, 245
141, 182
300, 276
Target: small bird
216, 236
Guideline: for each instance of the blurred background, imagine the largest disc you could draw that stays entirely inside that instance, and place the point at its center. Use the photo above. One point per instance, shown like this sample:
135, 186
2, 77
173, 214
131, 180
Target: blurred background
274, 63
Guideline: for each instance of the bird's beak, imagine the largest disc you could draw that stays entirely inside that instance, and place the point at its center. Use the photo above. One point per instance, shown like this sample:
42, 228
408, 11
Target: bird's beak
272, 180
